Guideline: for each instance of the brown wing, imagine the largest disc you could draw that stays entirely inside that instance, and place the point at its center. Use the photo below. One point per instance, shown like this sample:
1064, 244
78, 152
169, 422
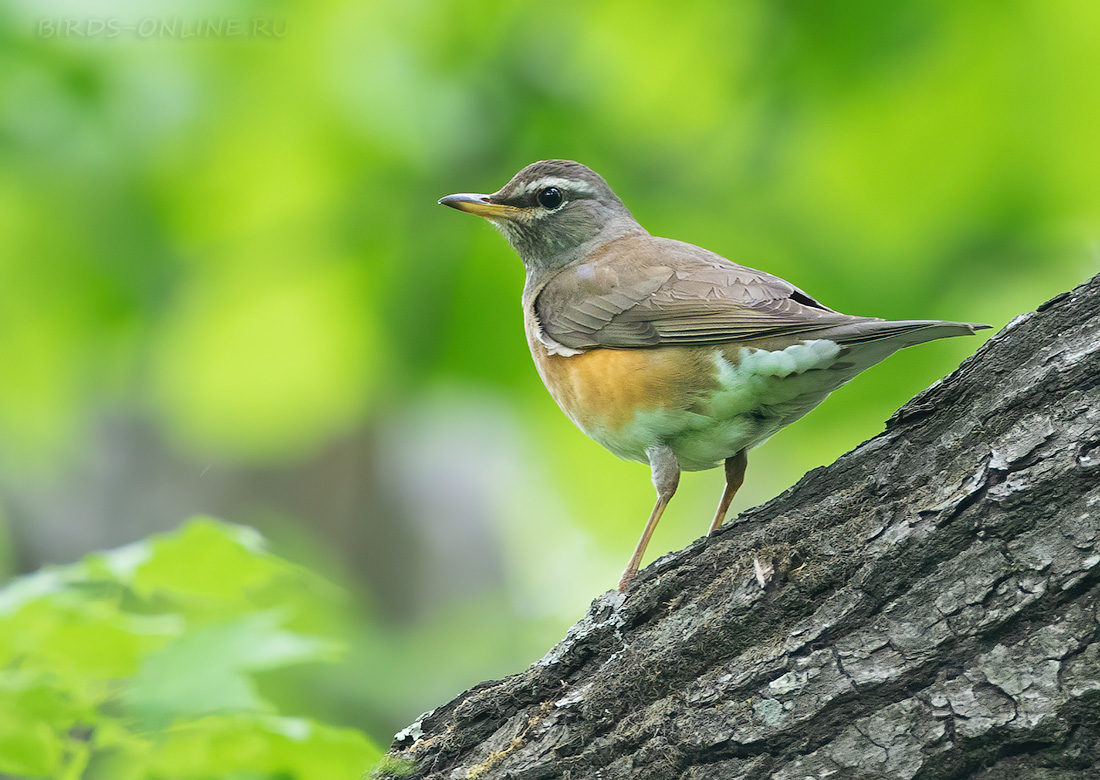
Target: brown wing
646, 291
643, 291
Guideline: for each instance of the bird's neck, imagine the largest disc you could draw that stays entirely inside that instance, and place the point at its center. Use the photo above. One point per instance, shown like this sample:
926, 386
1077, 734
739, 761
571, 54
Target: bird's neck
541, 266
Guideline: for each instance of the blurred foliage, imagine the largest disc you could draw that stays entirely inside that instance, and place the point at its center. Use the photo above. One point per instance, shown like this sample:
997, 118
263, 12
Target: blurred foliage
226, 287
143, 663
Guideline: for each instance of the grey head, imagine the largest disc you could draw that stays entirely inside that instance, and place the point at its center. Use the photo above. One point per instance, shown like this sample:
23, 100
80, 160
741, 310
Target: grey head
553, 212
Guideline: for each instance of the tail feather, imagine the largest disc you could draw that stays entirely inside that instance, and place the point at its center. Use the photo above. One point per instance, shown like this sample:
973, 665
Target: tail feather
905, 333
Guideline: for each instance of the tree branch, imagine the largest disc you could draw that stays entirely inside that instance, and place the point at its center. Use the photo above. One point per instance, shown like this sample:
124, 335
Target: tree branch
932, 611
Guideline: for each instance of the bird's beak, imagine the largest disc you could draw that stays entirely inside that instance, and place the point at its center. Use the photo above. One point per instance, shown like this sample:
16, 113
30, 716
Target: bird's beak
481, 205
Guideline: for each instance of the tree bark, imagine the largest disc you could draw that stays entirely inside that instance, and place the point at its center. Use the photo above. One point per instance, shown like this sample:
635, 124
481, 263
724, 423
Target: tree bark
929, 609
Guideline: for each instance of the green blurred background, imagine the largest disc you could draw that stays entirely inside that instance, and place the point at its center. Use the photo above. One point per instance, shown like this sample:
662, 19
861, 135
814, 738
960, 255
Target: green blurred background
226, 286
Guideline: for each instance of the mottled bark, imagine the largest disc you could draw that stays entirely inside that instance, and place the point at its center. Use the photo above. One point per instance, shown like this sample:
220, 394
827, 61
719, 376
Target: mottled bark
931, 609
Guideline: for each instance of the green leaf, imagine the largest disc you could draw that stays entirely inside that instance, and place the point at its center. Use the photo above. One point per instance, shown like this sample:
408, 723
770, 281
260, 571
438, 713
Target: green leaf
166, 636
207, 671
294, 747
92, 639
207, 558
28, 747
32, 713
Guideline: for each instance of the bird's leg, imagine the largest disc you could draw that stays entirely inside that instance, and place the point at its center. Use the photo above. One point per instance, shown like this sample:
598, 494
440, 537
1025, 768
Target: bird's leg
735, 476
666, 476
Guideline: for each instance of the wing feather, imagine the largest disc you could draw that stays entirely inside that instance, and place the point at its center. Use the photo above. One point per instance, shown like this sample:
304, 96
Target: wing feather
642, 291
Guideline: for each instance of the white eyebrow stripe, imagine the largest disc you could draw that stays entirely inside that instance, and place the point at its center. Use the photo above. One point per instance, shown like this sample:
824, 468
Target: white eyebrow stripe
569, 185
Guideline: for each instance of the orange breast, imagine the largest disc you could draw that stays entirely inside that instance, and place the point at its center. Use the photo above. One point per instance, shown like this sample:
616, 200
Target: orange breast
604, 389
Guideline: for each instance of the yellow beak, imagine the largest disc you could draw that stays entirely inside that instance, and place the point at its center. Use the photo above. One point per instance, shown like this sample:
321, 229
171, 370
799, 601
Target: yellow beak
481, 205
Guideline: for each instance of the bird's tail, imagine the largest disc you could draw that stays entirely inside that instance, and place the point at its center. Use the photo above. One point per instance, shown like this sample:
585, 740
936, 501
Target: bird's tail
865, 342
903, 333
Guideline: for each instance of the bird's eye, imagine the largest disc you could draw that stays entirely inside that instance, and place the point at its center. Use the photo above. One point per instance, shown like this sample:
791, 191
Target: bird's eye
550, 198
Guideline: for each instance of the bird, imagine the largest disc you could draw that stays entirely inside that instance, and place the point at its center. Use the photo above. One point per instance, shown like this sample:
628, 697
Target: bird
663, 352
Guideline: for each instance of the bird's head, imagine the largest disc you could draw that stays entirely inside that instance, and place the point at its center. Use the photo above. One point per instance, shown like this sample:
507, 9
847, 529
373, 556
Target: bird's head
553, 213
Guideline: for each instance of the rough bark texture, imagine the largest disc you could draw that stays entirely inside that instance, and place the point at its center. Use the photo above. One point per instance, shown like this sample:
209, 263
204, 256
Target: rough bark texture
931, 611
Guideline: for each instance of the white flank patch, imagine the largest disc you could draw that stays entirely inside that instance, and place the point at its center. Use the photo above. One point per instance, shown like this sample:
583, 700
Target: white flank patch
754, 381
795, 359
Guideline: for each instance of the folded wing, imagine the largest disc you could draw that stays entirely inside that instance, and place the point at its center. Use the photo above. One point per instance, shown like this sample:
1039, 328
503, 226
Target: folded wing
650, 292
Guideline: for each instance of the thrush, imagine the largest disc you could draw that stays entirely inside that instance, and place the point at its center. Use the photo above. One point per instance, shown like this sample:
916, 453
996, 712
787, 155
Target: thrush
661, 351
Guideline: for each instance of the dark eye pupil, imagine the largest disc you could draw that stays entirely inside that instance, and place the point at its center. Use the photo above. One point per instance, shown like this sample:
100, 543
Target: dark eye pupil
550, 198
